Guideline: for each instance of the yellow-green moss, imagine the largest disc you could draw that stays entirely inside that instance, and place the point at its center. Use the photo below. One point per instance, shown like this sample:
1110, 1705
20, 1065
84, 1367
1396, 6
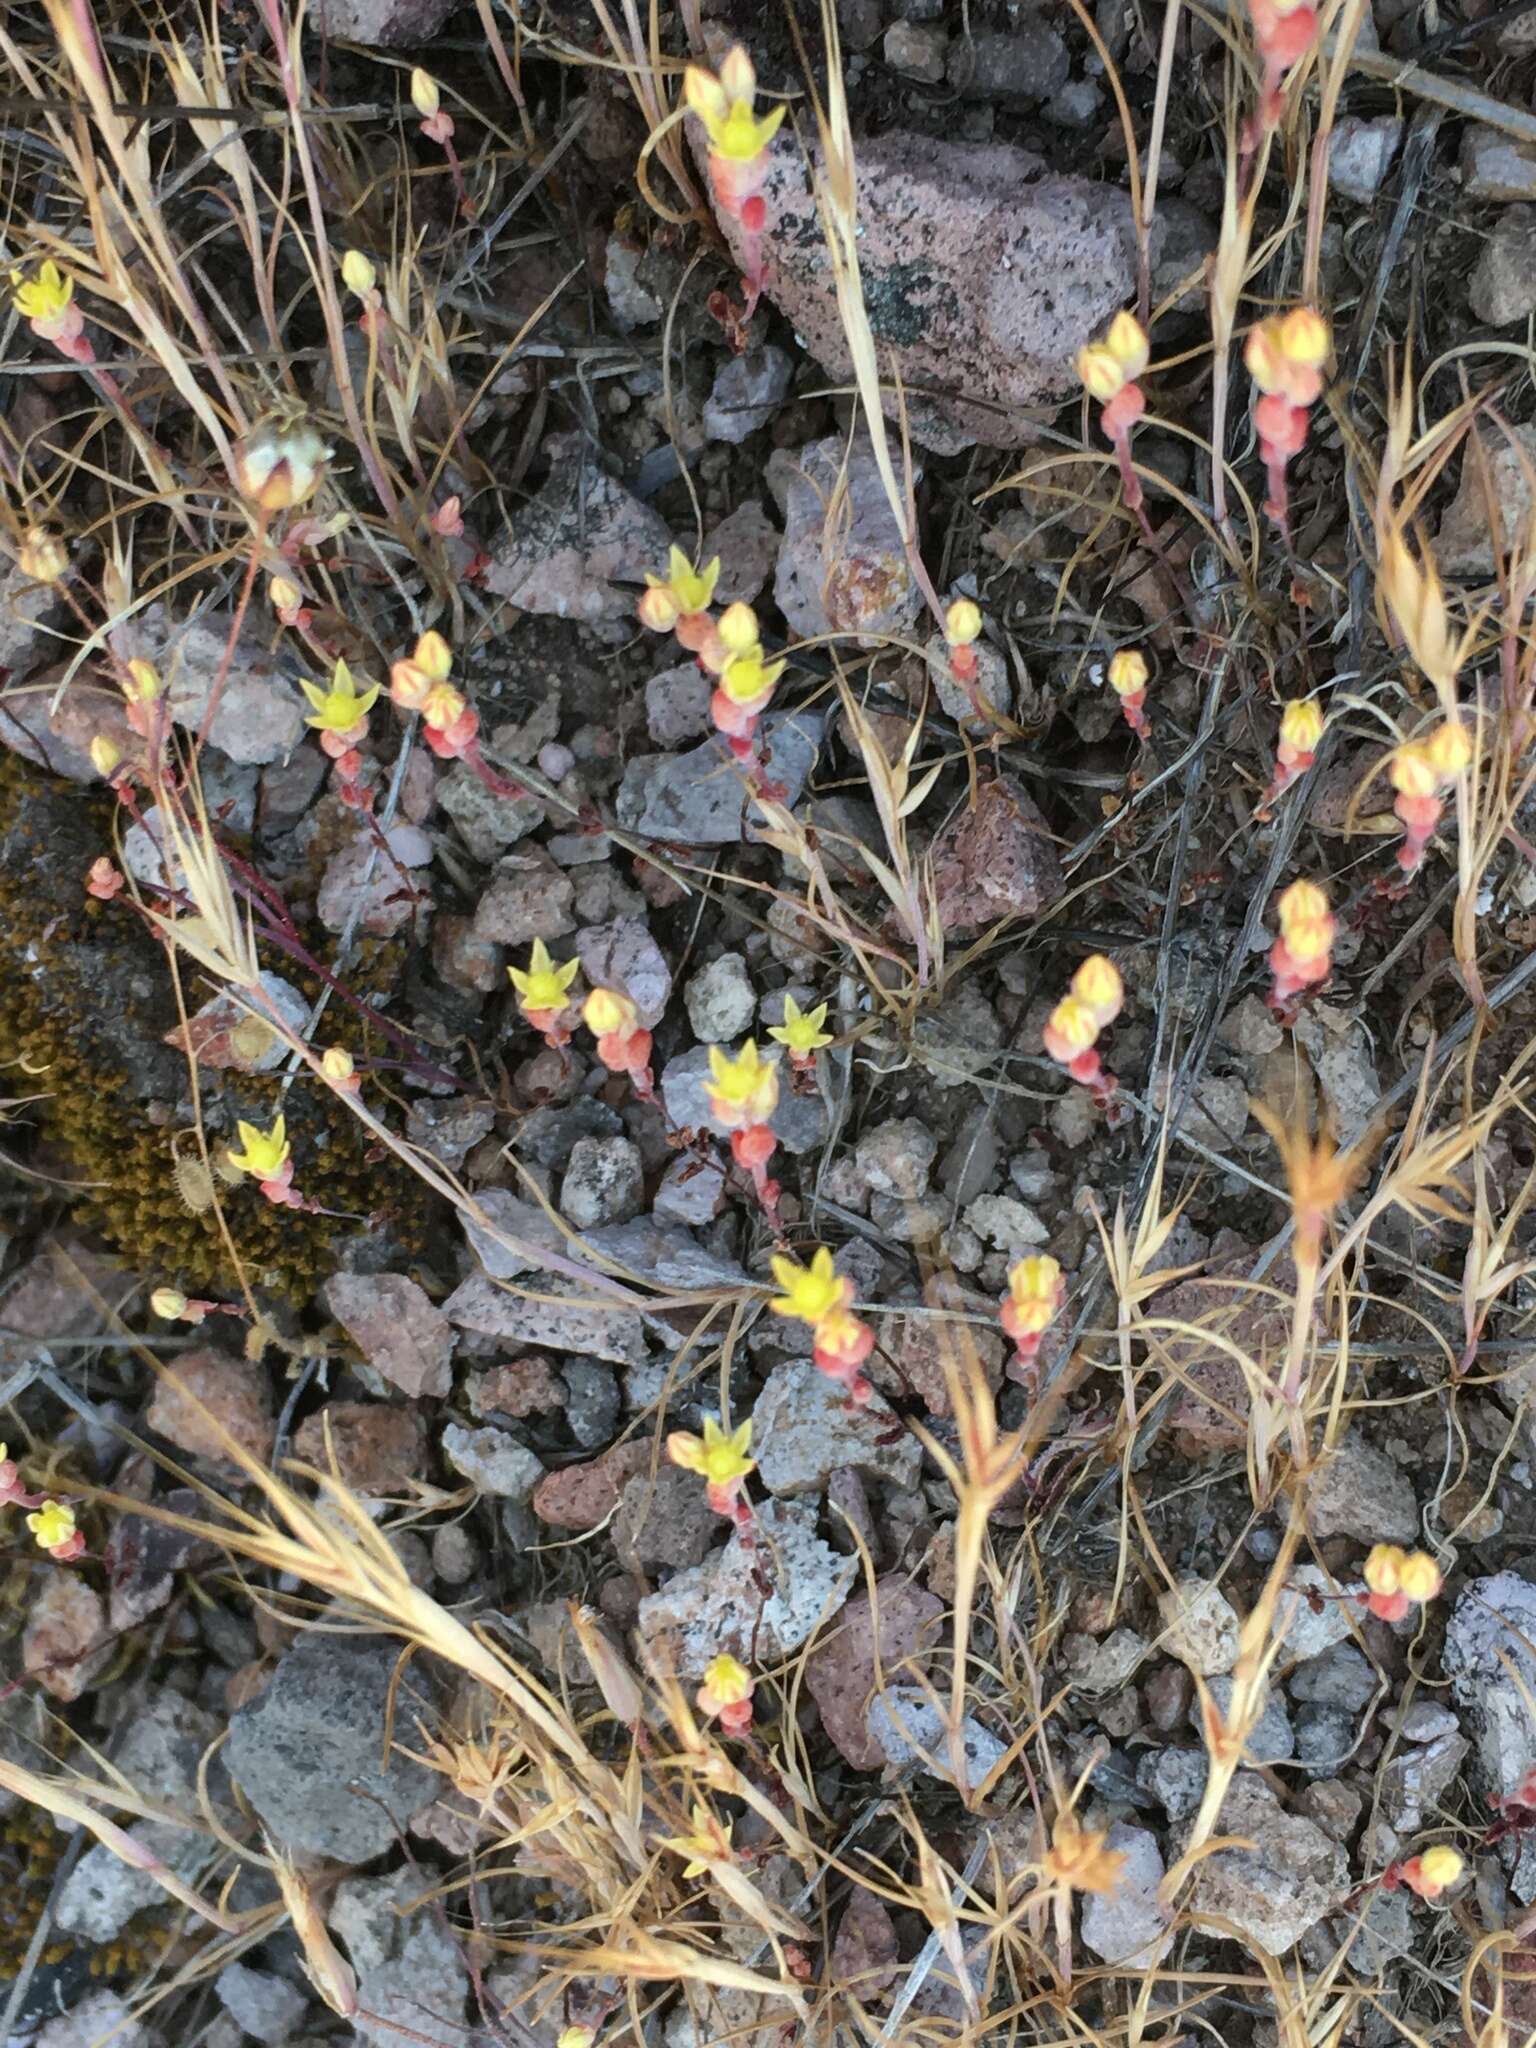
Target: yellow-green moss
53, 1040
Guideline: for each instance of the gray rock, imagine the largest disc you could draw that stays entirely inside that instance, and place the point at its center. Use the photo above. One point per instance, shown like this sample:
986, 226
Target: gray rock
909, 1728
380, 24
721, 1000
604, 1183
99, 2016
677, 705
1007, 1224
1324, 1737
702, 798
1502, 287
1379, 1932
1105, 1664
799, 1123
1027, 62
1272, 1740
1310, 1615
993, 686
397, 1329
748, 392
632, 303
547, 1137
663, 1520
1129, 1922
691, 1191
1362, 1493
1417, 1777
622, 955
842, 565
1464, 545
803, 1429
1176, 1778
575, 1324
897, 1156
411, 1979
719, 1605
579, 547
359, 882
487, 823
527, 898
1272, 1893
1360, 154
260, 714
1338, 1046
1495, 166
916, 49
592, 1410
1425, 1720
263, 2005
1340, 1678
307, 1749
1201, 1626
492, 1461
1492, 1667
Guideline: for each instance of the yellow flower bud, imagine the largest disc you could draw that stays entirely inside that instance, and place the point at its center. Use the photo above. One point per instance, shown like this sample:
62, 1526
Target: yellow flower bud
1449, 748
1441, 1866
1099, 368
1072, 1025
169, 1303
606, 1011
962, 622
1419, 1577
42, 555
1098, 986
142, 683
1128, 672
425, 97
1383, 1568
1126, 341
285, 596
278, 466
1303, 338
357, 273
1301, 725
105, 754
337, 1064
1412, 771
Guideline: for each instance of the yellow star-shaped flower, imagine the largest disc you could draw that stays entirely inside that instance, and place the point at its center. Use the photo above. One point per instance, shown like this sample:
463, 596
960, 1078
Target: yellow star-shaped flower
263, 1154
716, 1457
744, 1090
542, 985
810, 1292
53, 1524
1301, 724
746, 677
724, 105
709, 1843
801, 1030
43, 297
340, 707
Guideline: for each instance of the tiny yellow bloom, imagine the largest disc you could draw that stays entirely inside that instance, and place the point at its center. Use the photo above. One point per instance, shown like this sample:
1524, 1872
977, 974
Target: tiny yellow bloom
443, 706
1097, 985
1449, 749
425, 97
1412, 771
286, 596
1303, 339
716, 1457
1306, 922
744, 1090
1072, 1025
1301, 725
1440, 1866
693, 588
1128, 672
263, 1154
962, 622
724, 105
810, 1292
575, 2037
606, 1011
42, 555
738, 629
53, 1524
1034, 1290
434, 657
1384, 1567
726, 1681
1419, 1577
1100, 371
167, 1302
709, 1843
1126, 341
801, 1030
142, 683
357, 273
746, 677
43, 297
338, 1065
105, 754
342, 705
542, 985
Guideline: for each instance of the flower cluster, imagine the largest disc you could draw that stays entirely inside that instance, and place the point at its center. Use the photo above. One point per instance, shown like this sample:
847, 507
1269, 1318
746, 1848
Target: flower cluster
543, 994
1428, 1874
1302, 956
339, 714
421, 684
1034, 1299
738, 143
52, 1522
1398, 1579
1421, 771
1110, 370
720, 1460
1128, 677
728, 648
267, 1157
1092, 1002
1301, 730
1285, 358
743, 1094
623, 1043
726, 1694
819, 1295
47, 303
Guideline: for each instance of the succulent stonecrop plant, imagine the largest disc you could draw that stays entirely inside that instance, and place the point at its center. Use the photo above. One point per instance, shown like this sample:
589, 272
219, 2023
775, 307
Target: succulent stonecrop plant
726, 1694
1421, 771
51, 1522
1302, 957
802, 1036
1397, 1580
420, 683
819, 1295
623, 1043
280, 464
1128, 678
1110, 371
437, 126
1285, 31
738, 164
743, 1093
1091, 1004
720, 1458
1036, 1292
1285, 358
1428, 1875
46, 301
339, 714
544, 995
1301, 731
267, 1157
